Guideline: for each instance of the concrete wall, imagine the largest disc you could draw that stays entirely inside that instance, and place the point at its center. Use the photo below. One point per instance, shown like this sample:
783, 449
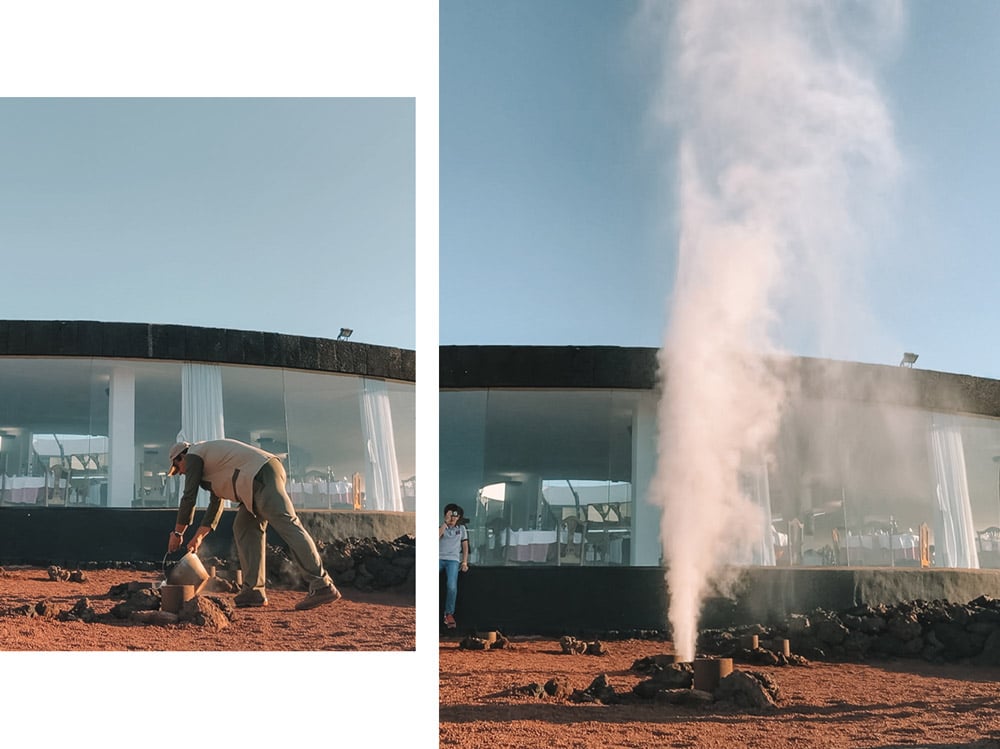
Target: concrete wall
70, 535
554, 601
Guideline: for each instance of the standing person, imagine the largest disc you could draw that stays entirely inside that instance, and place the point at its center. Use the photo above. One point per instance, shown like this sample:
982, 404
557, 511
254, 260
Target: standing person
453, 543
255, 479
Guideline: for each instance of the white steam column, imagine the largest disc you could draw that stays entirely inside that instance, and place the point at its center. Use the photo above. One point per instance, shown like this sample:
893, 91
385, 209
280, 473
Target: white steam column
785, 152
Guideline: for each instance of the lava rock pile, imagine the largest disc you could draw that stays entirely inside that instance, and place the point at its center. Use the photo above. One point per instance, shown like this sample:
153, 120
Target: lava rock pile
668, 683
58, 573
936, 631
572, 646
473, 642
363, 563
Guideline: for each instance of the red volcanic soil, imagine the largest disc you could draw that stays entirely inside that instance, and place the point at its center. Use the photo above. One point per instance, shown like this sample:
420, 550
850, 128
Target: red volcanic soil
389, 622
898, 703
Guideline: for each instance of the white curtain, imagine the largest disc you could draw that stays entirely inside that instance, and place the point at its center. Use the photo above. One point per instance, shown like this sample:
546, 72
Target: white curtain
753, 539
954, 533
763, 551
201, 407
382, 487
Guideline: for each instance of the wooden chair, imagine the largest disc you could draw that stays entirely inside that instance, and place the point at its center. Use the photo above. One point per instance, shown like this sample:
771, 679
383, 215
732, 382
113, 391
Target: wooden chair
571, 549
56, 494
598, 535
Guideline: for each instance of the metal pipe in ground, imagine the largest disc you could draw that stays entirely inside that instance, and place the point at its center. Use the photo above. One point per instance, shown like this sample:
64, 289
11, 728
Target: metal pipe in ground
708, 672
172, 597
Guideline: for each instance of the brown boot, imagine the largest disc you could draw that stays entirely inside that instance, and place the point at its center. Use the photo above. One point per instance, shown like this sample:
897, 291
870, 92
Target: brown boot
318, 598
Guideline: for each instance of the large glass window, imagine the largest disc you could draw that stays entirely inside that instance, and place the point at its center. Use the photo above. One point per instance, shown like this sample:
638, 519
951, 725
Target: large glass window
53, 432
854, 484
97, 431
327, 449
544, 476
556, 477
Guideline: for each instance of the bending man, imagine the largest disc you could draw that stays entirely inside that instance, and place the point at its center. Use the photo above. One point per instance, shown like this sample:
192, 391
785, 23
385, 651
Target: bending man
242, 473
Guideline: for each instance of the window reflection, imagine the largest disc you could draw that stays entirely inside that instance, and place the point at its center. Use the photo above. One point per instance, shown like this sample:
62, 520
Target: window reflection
555, 477
544, 476
69, 427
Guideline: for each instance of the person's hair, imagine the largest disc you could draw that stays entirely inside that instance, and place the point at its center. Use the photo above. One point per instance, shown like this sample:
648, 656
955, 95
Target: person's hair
452, 507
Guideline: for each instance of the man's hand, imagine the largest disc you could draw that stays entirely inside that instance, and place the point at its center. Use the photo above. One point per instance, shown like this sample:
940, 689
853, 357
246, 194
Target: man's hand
176, 539
199, 536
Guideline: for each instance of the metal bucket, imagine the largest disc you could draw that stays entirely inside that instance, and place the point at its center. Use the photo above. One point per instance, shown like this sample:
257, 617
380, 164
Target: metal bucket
188, 571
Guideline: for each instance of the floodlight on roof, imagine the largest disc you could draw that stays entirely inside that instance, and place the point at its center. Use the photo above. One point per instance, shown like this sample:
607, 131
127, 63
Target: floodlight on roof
345, 333
908, 359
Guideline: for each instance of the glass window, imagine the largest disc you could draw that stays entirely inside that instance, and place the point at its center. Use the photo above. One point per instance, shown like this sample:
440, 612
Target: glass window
544, 476
326, 446
854, 483
68, 426
562, 477
53, 432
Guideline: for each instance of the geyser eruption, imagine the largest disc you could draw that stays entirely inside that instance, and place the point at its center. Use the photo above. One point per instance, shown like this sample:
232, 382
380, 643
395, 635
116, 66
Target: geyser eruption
785, 145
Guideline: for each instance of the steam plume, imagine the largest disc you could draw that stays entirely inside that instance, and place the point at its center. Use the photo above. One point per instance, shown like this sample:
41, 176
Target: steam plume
785, 145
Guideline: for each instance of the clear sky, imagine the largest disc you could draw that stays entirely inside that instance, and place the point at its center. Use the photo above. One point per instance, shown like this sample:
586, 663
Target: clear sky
557, 185
290, 215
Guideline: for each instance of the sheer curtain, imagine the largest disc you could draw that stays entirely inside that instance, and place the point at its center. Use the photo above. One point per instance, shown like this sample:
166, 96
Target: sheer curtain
954, 533
201, 407
760, 491
382, 487
753, 539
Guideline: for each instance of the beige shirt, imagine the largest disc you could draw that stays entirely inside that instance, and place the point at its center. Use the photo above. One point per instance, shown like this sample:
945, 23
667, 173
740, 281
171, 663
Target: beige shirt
226, 468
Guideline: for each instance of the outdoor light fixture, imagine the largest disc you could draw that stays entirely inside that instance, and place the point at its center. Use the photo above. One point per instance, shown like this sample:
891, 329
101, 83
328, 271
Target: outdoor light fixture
345, 333
908, 359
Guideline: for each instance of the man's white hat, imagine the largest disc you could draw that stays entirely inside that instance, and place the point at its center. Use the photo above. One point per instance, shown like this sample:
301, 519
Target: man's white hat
175, 451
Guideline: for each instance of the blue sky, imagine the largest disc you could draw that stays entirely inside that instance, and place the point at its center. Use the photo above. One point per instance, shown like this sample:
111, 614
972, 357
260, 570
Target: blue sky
558, 207
291, 215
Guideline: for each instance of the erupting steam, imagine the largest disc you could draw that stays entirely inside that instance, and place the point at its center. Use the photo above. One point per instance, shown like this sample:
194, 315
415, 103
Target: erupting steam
785, 148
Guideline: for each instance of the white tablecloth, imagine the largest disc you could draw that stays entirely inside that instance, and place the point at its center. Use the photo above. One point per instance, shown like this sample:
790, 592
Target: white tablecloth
904, 545
320, 493
532, 546
536, 546
26, 490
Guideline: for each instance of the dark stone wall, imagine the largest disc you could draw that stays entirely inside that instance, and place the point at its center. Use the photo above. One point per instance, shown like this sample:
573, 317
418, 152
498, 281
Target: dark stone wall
559, 600
556, 601
213, 345
547, 367
68, 536
478, 367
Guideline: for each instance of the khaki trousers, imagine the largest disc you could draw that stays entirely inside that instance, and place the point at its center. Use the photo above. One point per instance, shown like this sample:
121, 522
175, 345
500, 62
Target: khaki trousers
271, 504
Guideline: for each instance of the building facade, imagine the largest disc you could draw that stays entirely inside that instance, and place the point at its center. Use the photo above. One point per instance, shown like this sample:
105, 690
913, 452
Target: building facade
551, 451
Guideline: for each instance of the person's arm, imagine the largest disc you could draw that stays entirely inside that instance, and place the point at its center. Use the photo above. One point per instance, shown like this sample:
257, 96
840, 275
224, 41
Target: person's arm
465, 551
209, 520
193, 468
